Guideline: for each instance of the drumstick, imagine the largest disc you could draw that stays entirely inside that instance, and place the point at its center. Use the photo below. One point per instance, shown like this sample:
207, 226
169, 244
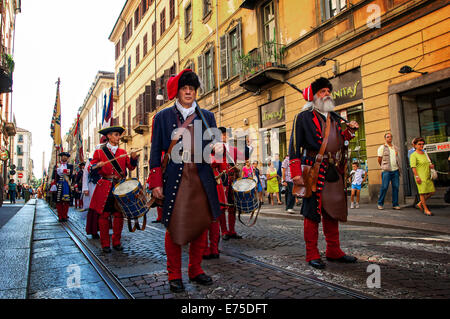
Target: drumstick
123, 155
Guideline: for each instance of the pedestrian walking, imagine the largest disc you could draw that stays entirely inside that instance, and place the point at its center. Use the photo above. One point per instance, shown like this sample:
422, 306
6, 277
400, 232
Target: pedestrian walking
12, 190
272, 184
317, 131
389, 162
288, 184
78, 186
27, 192
188, 189
357, 178
421, 166
259, 186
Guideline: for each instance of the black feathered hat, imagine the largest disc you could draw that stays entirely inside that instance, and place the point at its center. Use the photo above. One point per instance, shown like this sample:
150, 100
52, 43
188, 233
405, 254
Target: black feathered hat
319, 84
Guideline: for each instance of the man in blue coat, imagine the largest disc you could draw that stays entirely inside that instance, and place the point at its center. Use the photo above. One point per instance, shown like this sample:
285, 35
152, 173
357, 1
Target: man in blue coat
183, 178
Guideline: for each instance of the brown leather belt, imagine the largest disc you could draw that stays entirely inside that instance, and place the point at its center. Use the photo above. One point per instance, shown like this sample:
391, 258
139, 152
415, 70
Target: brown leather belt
332, 157
111, 178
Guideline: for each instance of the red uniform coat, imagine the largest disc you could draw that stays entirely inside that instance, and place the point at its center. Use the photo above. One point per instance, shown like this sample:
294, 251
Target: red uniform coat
104, 186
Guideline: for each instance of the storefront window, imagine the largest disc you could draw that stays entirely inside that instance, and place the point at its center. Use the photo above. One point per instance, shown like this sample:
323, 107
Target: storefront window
428, 115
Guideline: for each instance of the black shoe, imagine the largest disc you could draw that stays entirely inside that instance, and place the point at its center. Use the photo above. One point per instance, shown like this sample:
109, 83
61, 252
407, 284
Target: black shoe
317, 263
226, 237
95, 236
176, 285
156, 221
118, 247
235, 236
106, 249
60, 220
202, 279
214, 256
344, 259
206, 257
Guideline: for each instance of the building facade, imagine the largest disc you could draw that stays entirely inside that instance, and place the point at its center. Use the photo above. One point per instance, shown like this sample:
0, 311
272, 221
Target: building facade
8, 11
146, 39
91, 113
22, 157
388, 61
246, 53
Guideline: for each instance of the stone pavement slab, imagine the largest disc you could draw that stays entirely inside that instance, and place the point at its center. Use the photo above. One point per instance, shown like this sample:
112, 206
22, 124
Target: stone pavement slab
15, 237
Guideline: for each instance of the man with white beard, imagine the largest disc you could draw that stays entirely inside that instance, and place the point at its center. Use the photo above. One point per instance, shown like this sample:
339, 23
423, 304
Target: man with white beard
328, 201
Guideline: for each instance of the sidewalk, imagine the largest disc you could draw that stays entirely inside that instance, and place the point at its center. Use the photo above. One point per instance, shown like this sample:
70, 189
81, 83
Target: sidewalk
369, 215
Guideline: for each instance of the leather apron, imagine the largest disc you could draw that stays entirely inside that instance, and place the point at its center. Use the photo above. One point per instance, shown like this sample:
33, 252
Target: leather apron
334, 199
191, 214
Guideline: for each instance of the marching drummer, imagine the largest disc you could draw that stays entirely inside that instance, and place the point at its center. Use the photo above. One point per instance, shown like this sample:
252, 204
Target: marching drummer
62, 176
111, 163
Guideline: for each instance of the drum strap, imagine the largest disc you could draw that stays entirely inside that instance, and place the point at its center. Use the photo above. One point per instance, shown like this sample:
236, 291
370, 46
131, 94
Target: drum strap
113, 160
137, 226
253, 216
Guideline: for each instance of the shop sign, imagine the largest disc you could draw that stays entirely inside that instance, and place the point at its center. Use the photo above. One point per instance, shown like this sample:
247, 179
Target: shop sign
272, 113
437, 147
347, 87
4, 155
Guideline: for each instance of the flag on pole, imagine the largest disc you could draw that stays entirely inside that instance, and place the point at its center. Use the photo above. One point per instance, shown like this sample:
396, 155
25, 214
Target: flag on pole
104, 111
109, 110
55, 126
79, 158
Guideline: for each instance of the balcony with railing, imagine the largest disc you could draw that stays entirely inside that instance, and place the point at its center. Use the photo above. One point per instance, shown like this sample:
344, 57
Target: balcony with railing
6, 70
262, 65
140, 123
127, 134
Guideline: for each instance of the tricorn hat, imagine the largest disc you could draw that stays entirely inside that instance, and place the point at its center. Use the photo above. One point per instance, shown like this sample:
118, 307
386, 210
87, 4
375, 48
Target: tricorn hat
185, 77
111, 129
64, 154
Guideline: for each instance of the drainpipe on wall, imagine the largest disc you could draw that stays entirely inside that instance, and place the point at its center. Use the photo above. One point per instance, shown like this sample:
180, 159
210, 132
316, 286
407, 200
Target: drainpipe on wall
218, 63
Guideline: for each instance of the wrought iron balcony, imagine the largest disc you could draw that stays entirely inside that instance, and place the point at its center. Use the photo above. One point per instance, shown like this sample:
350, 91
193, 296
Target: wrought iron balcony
10, 128
6, 70
140, 123
249, 4
262, 65
127, 135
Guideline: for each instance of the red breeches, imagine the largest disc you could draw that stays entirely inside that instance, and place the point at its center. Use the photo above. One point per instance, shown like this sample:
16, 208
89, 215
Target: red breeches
117, 225
230, 230
331, 232
63, 209
212, 245
173, 252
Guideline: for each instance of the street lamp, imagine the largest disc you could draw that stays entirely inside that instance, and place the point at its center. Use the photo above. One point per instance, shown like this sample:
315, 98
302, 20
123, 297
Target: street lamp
160, 96
323, 62
407, 69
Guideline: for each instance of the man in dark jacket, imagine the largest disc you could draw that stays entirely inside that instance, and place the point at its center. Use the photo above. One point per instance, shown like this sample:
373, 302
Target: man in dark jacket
62, 176
187, 186
328, 202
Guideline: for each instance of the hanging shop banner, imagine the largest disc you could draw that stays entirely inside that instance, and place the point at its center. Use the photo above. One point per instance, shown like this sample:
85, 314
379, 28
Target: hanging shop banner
347, 87
4, 155
272, 113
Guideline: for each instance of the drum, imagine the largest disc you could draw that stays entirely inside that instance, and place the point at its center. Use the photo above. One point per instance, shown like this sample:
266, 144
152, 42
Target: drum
131, 198
245, 196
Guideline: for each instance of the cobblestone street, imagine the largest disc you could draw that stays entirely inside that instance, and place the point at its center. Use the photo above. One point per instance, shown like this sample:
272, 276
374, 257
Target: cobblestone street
269, 263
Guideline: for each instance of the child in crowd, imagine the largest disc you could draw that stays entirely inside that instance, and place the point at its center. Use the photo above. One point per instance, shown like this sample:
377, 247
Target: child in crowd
357, 178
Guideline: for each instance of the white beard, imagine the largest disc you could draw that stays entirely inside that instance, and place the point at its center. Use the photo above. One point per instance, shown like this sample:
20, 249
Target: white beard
325, 104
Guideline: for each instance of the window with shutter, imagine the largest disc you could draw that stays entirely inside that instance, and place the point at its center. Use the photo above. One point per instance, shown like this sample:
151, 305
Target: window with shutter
209, 70
188, 20
153, 34
166, 78
163, 21
136, 18
129, 120
144, 46
147, 92
129, 65
200, 63
223, 44
235, 45
172, 11
144, 7
152, 96
137, 55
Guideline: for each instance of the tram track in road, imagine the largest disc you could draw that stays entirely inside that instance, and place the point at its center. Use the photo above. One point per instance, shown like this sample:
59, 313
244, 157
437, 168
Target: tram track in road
113, 283
308, 278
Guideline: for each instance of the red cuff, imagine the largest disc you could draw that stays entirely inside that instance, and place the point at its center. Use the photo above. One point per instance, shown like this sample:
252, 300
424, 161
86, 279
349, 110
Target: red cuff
348, 135
155, 178
295, 167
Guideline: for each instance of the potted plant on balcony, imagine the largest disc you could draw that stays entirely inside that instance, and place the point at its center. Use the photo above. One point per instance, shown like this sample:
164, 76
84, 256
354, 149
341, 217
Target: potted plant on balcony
245, 62
6, 70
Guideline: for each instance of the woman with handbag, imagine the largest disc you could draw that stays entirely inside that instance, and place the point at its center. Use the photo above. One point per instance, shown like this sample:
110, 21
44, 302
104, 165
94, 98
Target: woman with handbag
422, 169
272, 183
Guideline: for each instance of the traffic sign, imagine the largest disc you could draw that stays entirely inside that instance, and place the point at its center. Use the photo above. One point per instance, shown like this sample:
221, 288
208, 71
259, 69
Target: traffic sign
20, 175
